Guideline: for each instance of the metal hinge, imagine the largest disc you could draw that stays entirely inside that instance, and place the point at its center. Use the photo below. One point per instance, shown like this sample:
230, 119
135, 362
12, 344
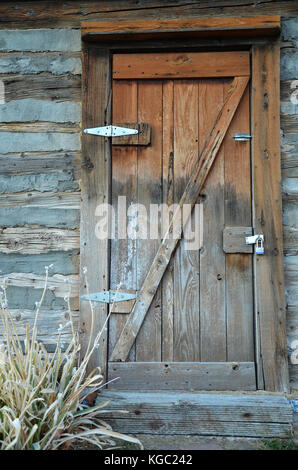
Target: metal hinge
109, 296
110, 131
258, 241
242, 137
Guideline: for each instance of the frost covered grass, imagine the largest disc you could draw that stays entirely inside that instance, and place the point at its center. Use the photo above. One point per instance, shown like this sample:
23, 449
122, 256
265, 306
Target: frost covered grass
42, 395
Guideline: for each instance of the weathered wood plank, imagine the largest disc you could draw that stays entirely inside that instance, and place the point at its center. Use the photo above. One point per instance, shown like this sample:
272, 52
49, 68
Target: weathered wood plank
40, 40
180, 65
29, 240
95, 181
148, 343
39, 162
290, 240
142, 138
238, 212
194, 27
124, 183
234, 240
186, 287
42, 127
182, 376
47, 325
30, 110
13, 142
167, 286
58, 284
43, 86
191, 193
266, 175
219, 407
72, 13
249, 415
49, 200
213, 330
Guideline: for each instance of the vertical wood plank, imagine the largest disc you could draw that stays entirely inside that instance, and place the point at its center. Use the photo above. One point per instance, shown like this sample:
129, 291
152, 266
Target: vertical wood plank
148, 342
124, 183
95, 178
186, 262
239, 283
212, 257
168, 198
269, 285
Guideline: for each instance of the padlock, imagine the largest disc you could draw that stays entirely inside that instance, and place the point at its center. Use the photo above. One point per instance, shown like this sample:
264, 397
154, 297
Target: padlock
259, 246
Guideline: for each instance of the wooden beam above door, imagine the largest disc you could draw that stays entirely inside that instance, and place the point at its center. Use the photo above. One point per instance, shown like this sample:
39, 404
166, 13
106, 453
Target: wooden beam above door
181, 65
254, 26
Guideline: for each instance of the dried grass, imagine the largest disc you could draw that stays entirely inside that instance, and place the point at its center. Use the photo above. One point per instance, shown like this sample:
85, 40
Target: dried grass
41, 395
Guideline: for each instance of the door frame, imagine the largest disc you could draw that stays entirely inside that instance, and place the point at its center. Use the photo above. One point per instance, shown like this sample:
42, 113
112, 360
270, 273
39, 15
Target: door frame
260, 35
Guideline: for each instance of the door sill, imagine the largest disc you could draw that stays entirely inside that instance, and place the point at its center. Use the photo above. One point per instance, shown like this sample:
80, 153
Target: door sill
238, 414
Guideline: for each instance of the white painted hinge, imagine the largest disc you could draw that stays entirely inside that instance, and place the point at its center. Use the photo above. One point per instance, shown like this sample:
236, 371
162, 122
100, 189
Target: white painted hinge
111, 131
109, 296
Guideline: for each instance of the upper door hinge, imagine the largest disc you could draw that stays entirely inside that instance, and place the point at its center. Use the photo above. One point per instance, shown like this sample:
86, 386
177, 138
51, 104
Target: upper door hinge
110, 131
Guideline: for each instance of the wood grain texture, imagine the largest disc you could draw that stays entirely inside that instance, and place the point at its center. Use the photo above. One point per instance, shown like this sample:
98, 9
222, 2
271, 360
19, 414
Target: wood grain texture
167, 286
234, 240
36, 240
219, 414
124, 184
142, 138
270, 308
190, 195
212, 258
49, 200
95, 180
44, 86
181, 65
148, 342
183, 376
33, 14
192, 27
239, 280
186, 286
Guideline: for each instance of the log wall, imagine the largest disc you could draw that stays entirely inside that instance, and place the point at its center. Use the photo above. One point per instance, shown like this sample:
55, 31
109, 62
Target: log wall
40, 126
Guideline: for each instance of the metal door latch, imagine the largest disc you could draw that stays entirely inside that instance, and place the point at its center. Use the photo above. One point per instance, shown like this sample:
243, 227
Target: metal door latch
258, 241
109, 296
110, 131
241, 137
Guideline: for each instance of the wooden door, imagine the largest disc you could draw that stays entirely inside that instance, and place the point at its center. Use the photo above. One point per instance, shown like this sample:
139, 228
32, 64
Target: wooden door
198, 331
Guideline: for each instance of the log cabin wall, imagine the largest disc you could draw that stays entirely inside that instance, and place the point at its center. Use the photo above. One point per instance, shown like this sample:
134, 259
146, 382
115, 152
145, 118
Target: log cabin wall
40, 159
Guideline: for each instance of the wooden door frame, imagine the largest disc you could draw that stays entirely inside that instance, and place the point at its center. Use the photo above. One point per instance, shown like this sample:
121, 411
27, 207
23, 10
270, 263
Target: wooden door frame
260, 36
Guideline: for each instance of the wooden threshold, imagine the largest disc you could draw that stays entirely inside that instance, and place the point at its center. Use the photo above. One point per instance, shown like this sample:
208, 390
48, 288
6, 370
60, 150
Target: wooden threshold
204, 414
182, 375
254, 26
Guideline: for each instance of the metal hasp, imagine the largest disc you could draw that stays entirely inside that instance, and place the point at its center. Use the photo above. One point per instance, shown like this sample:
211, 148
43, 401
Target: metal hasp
241, 137
110, 131
109, 296
258, 241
